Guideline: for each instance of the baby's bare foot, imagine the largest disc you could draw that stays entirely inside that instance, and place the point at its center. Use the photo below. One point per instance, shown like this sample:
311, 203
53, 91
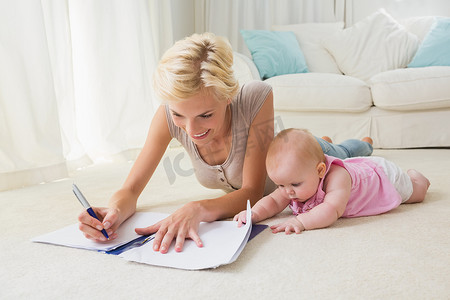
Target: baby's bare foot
367, 139
420, 186
327, 138
418, 177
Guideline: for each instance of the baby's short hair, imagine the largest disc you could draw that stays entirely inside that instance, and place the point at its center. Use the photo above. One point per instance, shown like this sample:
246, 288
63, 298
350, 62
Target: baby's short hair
301, 141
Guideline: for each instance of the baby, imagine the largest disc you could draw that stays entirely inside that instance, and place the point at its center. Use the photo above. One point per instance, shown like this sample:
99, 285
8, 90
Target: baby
320, 189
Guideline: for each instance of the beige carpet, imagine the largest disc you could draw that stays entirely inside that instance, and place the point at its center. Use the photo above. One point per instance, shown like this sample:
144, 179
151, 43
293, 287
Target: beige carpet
404, 254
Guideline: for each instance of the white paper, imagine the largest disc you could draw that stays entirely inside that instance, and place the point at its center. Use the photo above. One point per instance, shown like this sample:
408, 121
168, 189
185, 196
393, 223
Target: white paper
71, 236
222, 241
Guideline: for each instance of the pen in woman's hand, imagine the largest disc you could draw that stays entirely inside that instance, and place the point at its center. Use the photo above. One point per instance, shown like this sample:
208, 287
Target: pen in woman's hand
86, 205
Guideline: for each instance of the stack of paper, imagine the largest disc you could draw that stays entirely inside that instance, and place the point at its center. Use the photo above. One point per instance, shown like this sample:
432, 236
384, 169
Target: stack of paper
222, 241
71, 236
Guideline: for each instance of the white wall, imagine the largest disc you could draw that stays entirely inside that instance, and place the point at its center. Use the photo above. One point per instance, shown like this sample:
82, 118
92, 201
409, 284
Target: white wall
189, 16
399, 9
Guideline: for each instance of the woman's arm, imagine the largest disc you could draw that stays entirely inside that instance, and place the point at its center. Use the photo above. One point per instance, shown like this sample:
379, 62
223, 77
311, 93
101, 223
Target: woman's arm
123, 202
158, 138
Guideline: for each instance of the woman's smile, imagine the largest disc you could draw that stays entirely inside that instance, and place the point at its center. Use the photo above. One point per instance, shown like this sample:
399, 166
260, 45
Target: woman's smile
201, 135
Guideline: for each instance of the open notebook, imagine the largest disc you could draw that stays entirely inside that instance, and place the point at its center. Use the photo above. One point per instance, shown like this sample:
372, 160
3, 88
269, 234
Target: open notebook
222, 241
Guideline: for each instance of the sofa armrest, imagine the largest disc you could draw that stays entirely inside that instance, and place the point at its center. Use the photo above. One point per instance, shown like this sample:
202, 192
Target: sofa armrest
244, 68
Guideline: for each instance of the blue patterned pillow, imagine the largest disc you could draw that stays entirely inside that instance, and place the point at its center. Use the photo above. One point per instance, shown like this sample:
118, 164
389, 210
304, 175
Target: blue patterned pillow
435, 48
275, 52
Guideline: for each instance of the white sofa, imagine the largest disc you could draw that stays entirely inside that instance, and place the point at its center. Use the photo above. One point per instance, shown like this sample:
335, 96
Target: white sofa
398, 107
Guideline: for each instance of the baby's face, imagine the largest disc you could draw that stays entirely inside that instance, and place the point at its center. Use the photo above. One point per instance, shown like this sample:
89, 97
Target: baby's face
297, 180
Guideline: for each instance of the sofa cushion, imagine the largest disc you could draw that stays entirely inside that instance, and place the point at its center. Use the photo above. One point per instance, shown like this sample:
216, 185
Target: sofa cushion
419, 26
320, 92
435, 48
244, 68
412, 88
274, 52
375, 44
309, 37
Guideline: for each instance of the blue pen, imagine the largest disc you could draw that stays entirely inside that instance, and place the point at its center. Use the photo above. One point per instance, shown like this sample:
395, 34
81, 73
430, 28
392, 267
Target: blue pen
86, 205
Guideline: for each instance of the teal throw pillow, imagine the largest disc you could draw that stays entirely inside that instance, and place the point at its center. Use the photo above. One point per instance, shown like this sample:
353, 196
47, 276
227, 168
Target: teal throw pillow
435, 48
275, 52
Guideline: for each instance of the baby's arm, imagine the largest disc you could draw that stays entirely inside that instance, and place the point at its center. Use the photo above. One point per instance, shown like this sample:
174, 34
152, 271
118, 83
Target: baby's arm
337, 187
265, 208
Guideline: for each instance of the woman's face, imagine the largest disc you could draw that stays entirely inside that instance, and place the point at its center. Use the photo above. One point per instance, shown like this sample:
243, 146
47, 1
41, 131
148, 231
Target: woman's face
202, 117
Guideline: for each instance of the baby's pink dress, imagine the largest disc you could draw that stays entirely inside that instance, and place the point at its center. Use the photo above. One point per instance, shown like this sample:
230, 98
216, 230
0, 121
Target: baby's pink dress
372, 193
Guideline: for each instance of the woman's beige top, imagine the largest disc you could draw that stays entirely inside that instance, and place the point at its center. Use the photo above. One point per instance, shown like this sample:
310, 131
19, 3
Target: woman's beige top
228, 176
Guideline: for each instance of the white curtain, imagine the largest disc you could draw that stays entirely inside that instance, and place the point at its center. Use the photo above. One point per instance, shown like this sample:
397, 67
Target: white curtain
226, 18
75, 75
75, 83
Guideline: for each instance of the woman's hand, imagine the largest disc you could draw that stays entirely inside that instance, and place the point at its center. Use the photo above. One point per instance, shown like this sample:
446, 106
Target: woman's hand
290, 226
91, 227
180, 225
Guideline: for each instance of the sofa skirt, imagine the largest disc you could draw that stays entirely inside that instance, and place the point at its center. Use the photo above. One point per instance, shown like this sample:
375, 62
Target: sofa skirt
388, 129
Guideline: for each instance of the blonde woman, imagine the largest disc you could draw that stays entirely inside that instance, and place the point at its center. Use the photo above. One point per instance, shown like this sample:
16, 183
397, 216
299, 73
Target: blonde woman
226, 130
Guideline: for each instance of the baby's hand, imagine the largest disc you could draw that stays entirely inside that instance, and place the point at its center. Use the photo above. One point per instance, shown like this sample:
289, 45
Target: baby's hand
291, 225
241, 218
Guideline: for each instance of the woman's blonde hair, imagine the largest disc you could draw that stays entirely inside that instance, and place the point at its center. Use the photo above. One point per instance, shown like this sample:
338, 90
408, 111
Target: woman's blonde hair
199, 63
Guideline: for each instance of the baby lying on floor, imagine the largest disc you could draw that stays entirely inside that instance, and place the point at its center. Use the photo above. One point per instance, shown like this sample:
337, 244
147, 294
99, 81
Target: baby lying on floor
320, 189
